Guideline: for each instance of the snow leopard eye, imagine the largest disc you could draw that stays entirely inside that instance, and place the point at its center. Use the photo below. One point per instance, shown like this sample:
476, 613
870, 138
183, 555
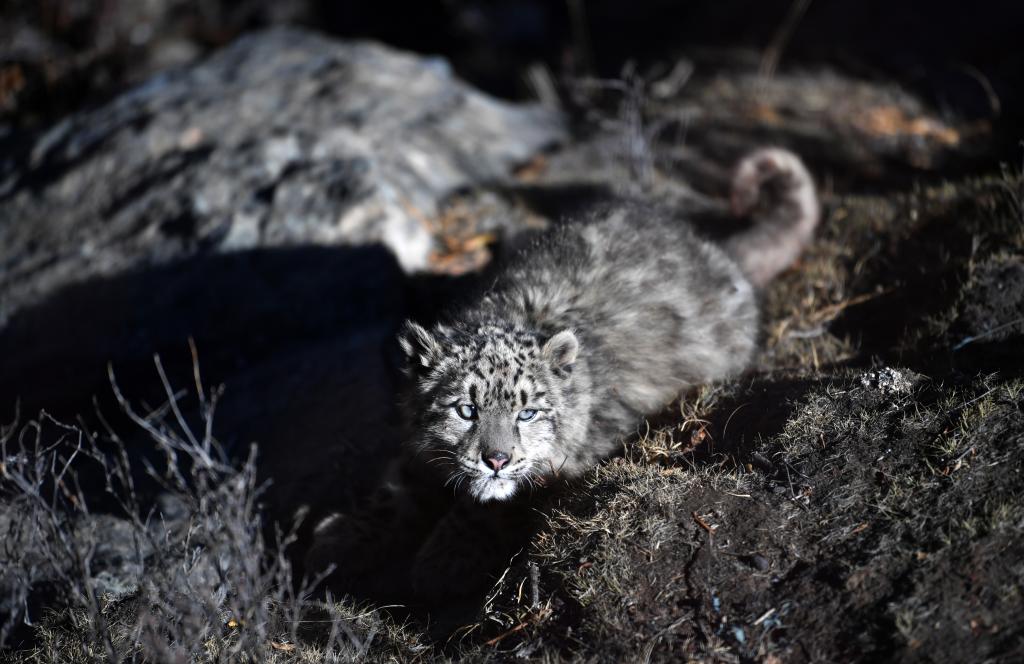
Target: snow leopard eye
466, 411
526, 415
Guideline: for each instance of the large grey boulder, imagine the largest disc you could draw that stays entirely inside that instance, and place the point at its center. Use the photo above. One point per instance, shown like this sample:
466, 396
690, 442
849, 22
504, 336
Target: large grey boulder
278, 195
283, 138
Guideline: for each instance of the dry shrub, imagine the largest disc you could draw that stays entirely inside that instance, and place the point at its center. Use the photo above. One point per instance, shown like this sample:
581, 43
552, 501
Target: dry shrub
188, 577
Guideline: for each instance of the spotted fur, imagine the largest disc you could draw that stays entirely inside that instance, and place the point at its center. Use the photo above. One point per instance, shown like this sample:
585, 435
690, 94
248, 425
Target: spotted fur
601, 321
596, 324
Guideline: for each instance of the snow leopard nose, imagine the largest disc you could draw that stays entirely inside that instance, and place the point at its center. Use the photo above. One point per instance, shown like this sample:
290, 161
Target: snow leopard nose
497, 460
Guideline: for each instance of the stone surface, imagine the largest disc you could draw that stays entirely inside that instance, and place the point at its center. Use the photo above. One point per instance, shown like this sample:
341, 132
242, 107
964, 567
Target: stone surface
283, 138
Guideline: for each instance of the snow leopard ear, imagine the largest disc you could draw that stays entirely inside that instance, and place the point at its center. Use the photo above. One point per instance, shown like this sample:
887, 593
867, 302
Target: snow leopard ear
419, 346
561, 350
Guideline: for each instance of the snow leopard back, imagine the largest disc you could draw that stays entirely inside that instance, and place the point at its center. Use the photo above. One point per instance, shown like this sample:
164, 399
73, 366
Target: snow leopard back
655, 308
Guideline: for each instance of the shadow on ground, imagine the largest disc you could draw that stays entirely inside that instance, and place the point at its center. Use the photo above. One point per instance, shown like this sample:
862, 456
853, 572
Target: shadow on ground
302, 340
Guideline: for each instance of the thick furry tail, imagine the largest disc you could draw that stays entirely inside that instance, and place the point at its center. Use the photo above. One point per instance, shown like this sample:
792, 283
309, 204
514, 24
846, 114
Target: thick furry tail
772, 187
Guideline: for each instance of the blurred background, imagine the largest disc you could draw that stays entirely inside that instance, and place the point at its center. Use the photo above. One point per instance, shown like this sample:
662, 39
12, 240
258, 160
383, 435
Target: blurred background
57, 56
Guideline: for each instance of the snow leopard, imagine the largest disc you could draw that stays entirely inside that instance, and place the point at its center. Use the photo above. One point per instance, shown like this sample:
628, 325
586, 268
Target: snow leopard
594, 325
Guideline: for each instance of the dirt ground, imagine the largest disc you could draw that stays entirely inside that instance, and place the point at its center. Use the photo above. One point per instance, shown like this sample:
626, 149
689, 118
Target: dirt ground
858, 497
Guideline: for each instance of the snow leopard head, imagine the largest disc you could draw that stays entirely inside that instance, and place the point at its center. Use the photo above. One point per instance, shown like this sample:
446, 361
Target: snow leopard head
490, 403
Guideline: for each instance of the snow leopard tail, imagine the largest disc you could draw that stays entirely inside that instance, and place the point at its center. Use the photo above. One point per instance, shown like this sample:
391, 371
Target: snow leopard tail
772, 187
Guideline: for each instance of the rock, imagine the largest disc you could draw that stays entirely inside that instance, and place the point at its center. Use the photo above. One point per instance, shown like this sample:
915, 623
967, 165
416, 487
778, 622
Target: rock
678, 137
271, 196
284, 138
888, 381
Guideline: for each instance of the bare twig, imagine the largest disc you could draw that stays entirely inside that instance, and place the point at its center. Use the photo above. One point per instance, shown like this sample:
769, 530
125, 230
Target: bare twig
193, 566
772, 54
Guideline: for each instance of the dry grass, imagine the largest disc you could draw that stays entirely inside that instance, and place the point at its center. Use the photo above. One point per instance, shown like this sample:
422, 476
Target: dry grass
190, 576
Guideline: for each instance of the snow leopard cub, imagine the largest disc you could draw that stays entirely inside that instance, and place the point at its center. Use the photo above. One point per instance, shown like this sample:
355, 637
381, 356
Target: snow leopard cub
594, 326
